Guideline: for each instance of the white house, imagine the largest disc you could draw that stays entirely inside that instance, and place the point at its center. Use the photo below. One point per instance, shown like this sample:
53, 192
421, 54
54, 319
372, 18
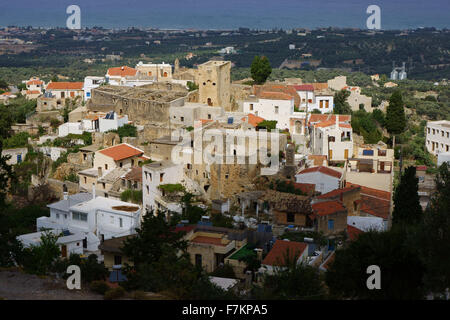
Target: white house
98, 218
112, 121
17, 155
116, 76
438, 136
153, 176
91, 83
70, 128
62, 90
332, 138
325, 178
68, 243
311, 99
277, 106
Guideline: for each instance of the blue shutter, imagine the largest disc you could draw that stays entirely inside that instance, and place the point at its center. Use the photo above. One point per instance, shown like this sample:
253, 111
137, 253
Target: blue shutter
330, 224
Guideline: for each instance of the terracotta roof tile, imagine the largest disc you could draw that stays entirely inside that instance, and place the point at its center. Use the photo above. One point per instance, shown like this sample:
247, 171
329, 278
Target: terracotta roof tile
371, 191
122, 71
327, 207
275, 95
35, 82
314, 118
289, 90
283, 249
252, 119
303, 87
324, 170
121, 151
135, 174
353, 232
336, 193
65, 86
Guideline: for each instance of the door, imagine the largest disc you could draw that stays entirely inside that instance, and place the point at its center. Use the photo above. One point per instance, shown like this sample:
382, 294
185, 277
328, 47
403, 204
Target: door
382, 166
346, 154
64, 251
330, 154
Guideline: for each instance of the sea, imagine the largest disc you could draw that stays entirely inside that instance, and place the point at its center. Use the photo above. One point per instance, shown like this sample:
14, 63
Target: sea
227, 14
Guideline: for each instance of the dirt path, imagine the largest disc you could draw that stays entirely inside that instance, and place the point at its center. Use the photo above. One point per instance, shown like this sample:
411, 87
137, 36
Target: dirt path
15, 285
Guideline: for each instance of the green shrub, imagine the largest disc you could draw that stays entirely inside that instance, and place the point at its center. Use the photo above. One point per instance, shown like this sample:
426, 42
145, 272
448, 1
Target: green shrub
99, 286
114, 293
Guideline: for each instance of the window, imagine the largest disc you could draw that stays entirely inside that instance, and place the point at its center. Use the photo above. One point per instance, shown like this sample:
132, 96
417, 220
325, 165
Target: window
276, 109
161, 177
331, 224
117, 260
106, 166
121, 222
121, 164
290, 217
251, 106
189, 166
209, 116
104, 185
198, 260
81, 216
85, 180
84, 156
182, 118
57, 216
148, 190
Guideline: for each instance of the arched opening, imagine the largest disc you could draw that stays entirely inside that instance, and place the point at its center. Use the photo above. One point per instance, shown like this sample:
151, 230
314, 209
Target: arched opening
209, 102
165, 74
298, 127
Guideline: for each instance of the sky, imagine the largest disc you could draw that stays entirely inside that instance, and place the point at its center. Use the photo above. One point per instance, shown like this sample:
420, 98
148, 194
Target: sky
228, 14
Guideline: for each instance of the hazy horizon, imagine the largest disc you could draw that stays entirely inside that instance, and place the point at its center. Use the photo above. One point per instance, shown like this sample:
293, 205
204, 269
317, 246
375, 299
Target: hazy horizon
232, 14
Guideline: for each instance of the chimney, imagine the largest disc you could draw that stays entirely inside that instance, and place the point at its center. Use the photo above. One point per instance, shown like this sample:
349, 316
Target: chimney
259, 253
93, 191
100, 172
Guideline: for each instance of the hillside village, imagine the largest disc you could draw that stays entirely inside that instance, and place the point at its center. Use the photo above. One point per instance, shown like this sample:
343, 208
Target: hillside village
241, 170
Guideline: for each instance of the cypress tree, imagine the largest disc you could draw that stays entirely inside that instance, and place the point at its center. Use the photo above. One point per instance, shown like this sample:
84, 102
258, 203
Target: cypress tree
407, 208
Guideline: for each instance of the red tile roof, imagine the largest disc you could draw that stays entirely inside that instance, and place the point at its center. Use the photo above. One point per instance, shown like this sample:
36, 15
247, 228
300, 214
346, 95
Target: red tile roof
374, 202
336, 193
275, 95
304, 87
385, 195
33, 92
121, 151
282, 249
35, 82
421, 168
314, 118
208, 240
327, 207
353, 232
324, 170
252, 119
65, 86
135, 174
289, 90
122, 71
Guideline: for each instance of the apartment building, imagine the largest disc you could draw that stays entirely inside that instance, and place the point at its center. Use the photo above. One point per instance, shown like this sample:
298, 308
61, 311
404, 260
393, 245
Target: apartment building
438, 137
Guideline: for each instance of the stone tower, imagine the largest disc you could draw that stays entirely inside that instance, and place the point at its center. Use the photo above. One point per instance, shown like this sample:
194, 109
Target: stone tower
213, 78
177, 66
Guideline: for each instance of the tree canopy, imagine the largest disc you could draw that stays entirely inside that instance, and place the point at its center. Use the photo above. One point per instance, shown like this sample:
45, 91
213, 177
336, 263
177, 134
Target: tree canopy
260, 69
395, 114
